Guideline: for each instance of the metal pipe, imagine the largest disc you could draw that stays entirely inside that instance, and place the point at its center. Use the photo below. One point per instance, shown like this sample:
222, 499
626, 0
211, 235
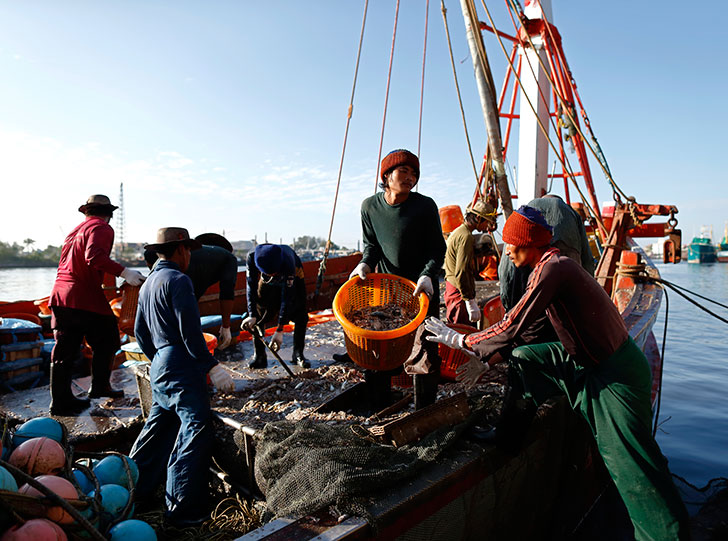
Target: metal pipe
486, 91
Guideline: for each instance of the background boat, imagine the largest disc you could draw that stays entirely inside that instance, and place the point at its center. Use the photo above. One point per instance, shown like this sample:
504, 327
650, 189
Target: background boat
701, 249
722, 253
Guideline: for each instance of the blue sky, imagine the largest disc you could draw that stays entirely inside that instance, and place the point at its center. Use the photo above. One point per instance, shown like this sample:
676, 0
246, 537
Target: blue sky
230, 116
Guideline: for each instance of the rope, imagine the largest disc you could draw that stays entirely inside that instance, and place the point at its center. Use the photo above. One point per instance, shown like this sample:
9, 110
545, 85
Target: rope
567, 106
322, 267
564, 161
422, 83
386, 97
662, 366
457, 87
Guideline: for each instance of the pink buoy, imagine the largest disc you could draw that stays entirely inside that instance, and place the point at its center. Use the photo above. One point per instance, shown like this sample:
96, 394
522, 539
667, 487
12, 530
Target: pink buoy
39, 456
38, 529
62, 487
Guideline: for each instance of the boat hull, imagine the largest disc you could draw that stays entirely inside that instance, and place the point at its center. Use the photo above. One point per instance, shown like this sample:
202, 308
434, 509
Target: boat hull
476, 491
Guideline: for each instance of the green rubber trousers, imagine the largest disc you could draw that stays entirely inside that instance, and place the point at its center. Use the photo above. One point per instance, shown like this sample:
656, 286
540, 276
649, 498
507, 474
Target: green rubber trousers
614, 398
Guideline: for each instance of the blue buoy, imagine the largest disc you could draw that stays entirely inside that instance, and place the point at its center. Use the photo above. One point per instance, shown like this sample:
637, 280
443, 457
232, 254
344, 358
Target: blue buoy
40, 427
83, 481
113, 501
7, 481
110, 470
132, 530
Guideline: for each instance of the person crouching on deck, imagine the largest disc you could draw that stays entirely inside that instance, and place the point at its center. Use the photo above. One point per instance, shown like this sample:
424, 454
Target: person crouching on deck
276, 286
402, 236
461, 265
602, 372
177, 437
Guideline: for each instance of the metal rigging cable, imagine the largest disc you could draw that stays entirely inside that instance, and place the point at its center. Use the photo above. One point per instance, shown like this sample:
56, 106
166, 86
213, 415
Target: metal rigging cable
443, 9
322, 267
564, 161
386, 96
598, 154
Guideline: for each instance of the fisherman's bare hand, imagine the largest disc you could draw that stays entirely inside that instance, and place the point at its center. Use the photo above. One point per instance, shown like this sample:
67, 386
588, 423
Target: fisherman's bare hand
471, 372
276, 341
249, 322
424, 285
443, 334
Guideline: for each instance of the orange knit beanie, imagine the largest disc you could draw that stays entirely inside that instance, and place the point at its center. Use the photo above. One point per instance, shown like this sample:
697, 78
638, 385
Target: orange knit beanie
527, 227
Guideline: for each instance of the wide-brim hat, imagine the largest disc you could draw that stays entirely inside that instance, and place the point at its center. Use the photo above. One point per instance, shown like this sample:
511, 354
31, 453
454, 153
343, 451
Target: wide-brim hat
214, 239
167, 236
96, 201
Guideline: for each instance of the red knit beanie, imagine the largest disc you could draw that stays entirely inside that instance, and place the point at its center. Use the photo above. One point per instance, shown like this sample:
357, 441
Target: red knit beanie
400, 157
527, 227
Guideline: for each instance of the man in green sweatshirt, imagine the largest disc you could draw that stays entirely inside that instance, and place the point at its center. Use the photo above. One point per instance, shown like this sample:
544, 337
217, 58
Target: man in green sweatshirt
402, 235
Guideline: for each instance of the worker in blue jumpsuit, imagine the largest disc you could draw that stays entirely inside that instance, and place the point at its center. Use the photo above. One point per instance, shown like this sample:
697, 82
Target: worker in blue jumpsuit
177, 437
276, 286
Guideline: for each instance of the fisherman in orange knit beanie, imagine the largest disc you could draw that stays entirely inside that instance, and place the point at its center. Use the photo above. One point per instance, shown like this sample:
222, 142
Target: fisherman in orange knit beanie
594, 362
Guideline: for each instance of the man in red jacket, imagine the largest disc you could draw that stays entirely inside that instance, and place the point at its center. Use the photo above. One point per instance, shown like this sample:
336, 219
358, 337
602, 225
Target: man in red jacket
80, 308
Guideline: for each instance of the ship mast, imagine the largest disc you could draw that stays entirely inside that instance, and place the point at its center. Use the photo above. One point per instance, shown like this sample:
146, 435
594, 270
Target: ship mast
486, 91
533, 147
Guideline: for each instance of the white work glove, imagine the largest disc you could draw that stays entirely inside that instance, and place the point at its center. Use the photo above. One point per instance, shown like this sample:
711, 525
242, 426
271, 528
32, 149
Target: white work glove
474, 312
225, 338
444, 334
132, 277
276, 340
361, 270
424, 285
221, 379
471, 372
249, 322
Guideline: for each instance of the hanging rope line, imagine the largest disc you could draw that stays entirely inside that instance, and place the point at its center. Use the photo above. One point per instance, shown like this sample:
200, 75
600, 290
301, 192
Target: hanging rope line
638, 272
662, 366
443, 9
322, 267
564, 160
567, 106
422, 83
386, 96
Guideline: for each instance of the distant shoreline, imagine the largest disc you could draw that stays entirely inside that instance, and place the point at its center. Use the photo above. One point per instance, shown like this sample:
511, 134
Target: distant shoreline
53, 264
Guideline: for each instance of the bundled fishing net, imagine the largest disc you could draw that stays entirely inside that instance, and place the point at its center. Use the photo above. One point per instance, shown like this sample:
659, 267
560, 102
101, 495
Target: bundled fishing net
302, 466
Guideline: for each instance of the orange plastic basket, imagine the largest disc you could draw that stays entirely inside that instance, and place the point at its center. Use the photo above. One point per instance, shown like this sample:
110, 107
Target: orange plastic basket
379, 350
452, 358
129, 300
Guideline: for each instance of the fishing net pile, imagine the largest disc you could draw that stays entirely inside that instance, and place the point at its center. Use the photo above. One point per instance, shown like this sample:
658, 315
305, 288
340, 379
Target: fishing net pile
304, 466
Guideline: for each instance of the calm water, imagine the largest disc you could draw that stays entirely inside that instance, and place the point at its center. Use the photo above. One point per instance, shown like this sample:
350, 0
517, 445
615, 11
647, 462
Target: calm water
694, 412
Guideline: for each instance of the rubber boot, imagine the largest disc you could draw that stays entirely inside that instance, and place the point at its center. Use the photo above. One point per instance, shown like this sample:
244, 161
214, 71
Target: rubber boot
100, 375
300, 360
299, 338
512, 425
63, 401
425, 388
378, 389
342, 358
261, 359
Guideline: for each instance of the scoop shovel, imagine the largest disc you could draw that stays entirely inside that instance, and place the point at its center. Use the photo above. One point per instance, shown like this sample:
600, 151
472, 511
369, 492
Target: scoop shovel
258, 336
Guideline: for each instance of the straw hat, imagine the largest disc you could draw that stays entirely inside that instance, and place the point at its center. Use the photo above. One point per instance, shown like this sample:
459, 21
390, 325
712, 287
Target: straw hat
95, 201
173, 235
